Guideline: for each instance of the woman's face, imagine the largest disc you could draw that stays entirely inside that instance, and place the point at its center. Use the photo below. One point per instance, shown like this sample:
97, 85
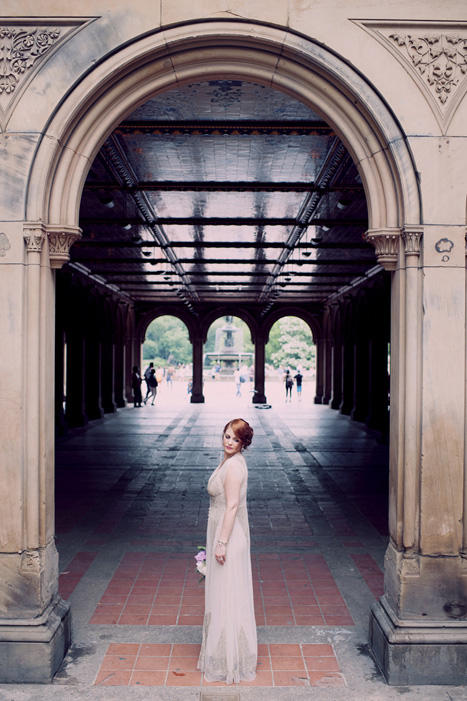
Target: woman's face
232, 444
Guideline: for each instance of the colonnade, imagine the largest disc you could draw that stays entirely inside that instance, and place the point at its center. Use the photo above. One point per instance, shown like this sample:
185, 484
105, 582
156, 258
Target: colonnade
99, 337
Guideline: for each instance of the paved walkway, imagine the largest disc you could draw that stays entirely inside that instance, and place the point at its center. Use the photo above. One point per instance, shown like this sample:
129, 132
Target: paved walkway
132, 509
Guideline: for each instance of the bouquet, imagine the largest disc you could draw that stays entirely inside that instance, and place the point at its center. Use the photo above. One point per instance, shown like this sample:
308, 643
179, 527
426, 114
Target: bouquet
201, 561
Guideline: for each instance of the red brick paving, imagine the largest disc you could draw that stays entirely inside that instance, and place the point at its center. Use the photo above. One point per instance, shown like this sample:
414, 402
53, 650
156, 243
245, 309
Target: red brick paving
135, 664
295, 589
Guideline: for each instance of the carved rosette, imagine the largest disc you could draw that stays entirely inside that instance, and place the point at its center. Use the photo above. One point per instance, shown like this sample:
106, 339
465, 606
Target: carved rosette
34, 236
386, 243
412, 237
61, 239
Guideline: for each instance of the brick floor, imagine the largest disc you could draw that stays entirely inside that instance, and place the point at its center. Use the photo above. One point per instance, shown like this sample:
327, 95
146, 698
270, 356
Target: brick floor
132, 509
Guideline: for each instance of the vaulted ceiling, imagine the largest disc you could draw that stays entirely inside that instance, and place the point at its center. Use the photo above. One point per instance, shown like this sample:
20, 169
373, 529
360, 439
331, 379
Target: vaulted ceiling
224, 190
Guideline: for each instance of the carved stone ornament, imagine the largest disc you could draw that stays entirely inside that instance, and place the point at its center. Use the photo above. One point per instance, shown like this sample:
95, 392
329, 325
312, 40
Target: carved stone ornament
61, 240
412, 237
24, 45
4, 244
34, 236
440, 58
435, 55
386, 243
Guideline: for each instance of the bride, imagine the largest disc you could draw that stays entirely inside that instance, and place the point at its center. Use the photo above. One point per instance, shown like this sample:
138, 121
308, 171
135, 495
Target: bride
229, 648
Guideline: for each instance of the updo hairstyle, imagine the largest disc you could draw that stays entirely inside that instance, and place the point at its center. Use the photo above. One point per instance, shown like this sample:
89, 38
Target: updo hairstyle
242, 430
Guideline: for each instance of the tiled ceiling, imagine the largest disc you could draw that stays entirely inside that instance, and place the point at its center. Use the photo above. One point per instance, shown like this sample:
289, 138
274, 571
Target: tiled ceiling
224, 190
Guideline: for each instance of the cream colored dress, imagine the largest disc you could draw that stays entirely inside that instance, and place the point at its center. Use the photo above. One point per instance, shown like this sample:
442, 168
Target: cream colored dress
229, 650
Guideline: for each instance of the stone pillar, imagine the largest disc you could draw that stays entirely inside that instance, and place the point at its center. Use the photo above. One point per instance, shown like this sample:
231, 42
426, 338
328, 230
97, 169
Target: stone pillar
119, 377
362, 376
336, 398
259, 396
108, 375
34, 620
75, 378
348, 375
94, 408
197, 396
327, 393
418, 631
320, 370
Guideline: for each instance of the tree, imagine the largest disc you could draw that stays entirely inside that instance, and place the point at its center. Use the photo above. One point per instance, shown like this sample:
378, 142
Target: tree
167, 342
290, 343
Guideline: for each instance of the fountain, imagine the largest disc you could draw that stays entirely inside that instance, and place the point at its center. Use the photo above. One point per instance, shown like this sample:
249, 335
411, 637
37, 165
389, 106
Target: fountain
228, 349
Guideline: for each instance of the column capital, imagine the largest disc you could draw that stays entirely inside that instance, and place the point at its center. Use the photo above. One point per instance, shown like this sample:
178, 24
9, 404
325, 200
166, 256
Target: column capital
412, 236
61, 239
386, 243
34, 236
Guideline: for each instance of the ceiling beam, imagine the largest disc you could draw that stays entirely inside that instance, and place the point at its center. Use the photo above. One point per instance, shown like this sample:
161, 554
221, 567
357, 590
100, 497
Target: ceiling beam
222, 221
110, 243
231, 127
220, 186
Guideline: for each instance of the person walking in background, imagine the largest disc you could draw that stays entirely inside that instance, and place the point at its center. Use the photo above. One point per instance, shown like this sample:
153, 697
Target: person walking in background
229, 649
147, 374
288, 379
298, 381
152, 383
238, 381
136, 382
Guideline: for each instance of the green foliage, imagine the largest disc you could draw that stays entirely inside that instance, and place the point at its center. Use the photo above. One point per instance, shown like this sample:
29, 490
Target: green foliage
290, 343
167, 342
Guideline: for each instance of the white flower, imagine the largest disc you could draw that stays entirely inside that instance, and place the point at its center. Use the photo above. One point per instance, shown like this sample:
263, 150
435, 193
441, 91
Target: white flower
201, 567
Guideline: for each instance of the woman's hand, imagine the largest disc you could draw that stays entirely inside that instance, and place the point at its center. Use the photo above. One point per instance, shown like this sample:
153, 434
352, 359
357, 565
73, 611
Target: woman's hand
219, 553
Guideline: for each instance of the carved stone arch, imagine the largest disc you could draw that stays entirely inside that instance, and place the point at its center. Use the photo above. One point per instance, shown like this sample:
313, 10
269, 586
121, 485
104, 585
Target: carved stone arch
156, 312
309, 319
251, 51
228, 310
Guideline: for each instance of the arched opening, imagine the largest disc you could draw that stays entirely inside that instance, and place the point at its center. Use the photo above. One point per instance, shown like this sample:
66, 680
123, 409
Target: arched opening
366, 132
228, 361
290, 361
167, 346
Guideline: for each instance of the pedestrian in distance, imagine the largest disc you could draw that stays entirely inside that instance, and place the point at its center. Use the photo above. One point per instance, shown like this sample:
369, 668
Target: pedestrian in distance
298, 381
147, 374
152, 384
136, 382
288, 379
229, 649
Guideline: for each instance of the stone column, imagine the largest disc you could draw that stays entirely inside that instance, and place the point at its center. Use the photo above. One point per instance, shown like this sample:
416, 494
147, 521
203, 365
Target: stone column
327, 394
75, 378
108, 375
362, 377
336, 398
197, 396
348, 374
34, 620
259, 396
320, 370
119, 379
418, 630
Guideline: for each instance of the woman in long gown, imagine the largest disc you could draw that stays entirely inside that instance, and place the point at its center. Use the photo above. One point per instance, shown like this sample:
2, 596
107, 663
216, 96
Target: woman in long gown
229, 650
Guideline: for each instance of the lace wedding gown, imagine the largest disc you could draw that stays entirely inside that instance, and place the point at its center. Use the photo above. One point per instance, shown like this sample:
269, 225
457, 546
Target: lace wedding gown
229, 649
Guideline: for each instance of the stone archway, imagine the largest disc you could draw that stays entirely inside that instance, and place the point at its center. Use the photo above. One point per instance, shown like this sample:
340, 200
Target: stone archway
269, 56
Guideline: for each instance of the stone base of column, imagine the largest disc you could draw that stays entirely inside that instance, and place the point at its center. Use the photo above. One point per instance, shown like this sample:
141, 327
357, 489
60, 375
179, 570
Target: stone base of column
418, 652
259, 398
32, 651
197, 399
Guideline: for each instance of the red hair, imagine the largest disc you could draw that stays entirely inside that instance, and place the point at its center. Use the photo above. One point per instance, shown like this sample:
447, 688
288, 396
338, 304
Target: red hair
242, 430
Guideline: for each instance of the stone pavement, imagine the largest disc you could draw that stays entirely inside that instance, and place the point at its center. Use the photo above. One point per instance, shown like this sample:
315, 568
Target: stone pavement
132, 509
